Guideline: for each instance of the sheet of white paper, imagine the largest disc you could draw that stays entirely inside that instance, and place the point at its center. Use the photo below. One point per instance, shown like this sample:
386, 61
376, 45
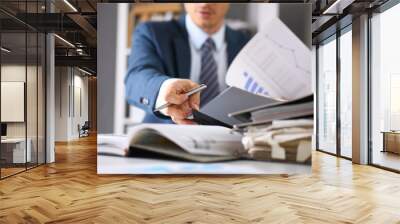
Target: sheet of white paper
120, 141
275, 63
197, 139
112, 144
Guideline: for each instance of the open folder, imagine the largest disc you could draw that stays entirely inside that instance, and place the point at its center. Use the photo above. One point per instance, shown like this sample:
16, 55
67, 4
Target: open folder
299, 108
235, 108
196, 143
231, 100
208, 144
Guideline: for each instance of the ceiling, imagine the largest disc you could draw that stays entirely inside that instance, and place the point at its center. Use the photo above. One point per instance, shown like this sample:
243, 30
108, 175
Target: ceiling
74, 21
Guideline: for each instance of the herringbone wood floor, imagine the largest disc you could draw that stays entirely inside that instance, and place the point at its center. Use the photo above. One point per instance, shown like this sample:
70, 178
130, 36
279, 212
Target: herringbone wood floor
70, 191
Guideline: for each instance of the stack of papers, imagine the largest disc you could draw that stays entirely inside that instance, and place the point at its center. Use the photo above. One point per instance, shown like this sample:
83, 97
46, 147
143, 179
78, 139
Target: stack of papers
287, 140
264, 114
229, 101
196, 143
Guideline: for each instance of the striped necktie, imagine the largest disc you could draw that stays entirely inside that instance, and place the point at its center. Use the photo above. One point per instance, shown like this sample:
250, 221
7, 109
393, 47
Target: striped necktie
209, 72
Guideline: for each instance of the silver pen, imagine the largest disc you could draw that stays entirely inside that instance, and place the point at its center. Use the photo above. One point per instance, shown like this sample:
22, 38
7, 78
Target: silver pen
191, 92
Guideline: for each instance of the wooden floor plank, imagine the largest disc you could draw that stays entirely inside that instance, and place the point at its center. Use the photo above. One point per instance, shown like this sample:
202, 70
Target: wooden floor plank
70, 191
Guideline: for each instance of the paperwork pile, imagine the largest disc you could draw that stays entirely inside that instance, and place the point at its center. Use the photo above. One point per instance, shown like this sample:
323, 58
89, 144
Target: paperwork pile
283, 140
275, 64
279, 131
273, 130
264, 114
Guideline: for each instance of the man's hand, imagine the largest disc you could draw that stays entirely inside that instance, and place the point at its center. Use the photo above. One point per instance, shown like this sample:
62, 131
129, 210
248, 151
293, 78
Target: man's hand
173, 91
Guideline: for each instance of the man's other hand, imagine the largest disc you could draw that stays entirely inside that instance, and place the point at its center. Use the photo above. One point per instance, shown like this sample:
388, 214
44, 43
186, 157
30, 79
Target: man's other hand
173, 91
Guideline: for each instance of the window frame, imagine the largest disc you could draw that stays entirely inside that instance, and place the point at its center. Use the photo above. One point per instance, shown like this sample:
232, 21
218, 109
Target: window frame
333, 37
27, 29
378, 10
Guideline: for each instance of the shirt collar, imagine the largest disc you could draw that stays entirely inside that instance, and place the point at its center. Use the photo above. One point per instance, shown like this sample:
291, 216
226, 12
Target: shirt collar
198, 36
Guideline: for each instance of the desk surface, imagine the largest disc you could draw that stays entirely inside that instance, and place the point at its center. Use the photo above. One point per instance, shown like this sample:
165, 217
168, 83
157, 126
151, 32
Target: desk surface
130, 165
390, 132
126, 165
13, 140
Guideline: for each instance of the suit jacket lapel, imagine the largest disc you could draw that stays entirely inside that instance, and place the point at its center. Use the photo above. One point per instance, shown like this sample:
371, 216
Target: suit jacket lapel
182, 50
233, 47
183, 60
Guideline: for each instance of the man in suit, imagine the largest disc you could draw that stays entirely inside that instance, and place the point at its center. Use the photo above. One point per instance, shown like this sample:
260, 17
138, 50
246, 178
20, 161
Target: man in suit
170, 58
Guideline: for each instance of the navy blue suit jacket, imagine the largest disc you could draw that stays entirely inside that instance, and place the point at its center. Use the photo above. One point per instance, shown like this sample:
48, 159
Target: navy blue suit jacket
160, 50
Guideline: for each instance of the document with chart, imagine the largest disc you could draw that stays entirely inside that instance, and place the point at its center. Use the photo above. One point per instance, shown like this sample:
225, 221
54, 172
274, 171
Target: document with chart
274, 63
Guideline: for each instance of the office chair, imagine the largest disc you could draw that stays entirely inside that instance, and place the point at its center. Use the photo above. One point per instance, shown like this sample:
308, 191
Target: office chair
84, 130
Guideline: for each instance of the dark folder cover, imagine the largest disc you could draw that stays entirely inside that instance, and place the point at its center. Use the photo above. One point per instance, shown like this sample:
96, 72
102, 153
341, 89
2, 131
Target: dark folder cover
230, 100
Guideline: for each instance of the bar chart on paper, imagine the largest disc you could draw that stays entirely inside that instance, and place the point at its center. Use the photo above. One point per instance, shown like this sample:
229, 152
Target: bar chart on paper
274, 63
251, 85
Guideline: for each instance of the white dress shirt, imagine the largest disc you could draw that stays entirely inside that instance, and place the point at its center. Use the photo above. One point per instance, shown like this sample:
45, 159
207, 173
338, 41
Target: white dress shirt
196, 39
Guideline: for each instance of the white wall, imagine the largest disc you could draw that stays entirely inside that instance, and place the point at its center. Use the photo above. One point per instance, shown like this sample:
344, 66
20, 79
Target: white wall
260, 14
314, 90
62, 81
82, 82
71, 87
34, 124
12, 73
12, 100
107, 32
80, 109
